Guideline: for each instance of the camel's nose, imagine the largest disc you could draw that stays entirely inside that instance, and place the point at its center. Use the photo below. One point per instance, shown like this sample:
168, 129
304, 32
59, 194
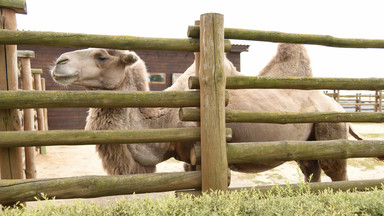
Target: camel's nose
62, 60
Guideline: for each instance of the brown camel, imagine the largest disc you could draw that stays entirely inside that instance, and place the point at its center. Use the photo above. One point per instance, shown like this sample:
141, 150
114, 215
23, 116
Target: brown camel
100, 69
292, 60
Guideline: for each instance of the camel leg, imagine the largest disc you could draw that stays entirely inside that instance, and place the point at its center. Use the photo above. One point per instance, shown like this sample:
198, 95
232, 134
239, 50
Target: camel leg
311, 170
189, 167
336, 169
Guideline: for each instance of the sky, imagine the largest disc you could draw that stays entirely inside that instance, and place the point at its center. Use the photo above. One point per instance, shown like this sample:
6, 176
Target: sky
170, 19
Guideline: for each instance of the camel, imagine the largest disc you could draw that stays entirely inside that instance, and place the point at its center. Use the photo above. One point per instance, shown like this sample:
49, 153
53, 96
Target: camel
292, 60
101, 69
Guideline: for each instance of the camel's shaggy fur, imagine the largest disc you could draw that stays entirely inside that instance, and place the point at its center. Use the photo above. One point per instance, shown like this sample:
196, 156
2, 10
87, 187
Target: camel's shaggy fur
290, 60
103, 69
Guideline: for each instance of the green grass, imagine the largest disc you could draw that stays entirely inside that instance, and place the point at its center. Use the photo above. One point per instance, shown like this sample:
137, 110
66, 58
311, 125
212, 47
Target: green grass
277, 202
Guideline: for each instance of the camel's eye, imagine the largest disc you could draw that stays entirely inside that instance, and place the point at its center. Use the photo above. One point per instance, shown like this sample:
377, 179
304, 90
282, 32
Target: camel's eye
101, 58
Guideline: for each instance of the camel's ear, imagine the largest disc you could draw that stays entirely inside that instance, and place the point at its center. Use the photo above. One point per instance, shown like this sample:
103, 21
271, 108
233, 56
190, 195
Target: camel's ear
129, 58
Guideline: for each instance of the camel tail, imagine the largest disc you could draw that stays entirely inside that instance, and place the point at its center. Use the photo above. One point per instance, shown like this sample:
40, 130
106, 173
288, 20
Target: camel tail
354, 134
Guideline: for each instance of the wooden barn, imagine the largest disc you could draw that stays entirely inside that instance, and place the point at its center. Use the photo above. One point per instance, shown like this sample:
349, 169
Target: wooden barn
163, 67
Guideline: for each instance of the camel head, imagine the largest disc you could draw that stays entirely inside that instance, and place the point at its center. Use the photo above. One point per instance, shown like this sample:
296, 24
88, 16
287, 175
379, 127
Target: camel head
95, 69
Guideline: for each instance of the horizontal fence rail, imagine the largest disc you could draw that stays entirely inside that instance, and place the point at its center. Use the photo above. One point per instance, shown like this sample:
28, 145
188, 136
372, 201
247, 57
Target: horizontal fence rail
315, 187
81, 137
189, 114
352, 96
96, 186
11, 37
17, 6
254, 152
281, 37
107, 99
305, 83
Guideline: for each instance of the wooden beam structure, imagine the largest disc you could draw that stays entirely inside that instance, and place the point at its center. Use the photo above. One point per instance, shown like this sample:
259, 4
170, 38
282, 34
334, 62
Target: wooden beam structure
100, 41
19, 6
256, 152
10, 119
304, 83
38, 87
212, 81
214, 154
245, 116
107, 99
96, 186
29, 117
93, 137
281, 37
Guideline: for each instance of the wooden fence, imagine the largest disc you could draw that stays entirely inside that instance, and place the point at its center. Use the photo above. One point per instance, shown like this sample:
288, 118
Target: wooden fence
360, 102
215, 152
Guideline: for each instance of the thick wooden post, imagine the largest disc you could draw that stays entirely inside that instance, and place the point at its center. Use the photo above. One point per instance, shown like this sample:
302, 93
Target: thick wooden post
357, 102
43, 88
212, 89
376, 106
43, 149
10, 158
380, 101
197, 68
29, 120
37, 85
197, 55
337, 95
360, 102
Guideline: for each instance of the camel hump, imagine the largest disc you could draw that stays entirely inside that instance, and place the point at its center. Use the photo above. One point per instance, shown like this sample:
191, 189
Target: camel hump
287, 51
290, 60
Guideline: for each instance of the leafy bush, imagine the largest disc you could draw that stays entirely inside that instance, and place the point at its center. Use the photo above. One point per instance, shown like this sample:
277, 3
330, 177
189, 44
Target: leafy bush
278, 201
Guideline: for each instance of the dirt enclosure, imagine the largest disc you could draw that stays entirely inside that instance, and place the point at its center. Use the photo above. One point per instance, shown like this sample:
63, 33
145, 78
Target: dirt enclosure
67, 161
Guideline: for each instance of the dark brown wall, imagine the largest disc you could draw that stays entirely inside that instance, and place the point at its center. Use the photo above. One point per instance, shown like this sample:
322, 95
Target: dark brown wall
156, 61
166, 62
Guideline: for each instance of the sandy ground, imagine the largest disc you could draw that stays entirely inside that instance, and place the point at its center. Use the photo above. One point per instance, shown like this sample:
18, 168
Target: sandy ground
67, 161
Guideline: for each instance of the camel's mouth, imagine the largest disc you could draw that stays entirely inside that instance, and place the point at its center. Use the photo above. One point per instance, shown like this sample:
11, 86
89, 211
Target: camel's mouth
65, 79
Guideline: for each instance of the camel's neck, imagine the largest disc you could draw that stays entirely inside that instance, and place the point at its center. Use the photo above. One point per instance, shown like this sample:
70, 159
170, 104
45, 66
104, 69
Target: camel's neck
136, 156
131, 158
139, 155
107, 119
136, 78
